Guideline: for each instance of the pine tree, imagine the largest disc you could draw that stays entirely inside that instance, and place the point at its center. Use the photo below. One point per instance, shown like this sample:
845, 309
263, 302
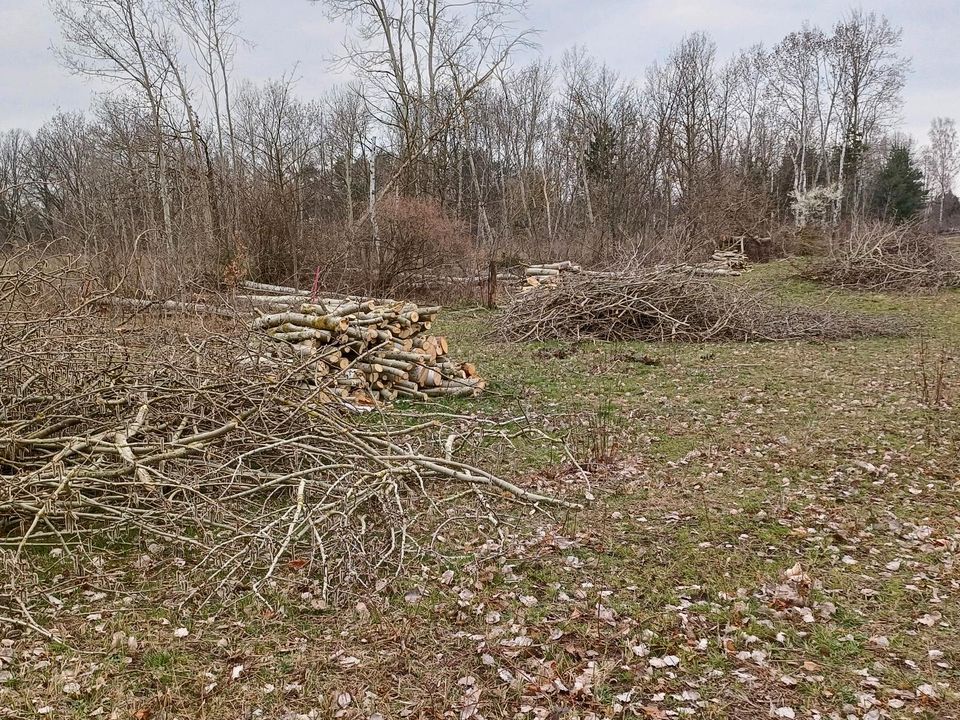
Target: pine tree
899, 194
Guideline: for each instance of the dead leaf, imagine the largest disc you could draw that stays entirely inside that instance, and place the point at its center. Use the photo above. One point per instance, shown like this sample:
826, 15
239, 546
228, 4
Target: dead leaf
665, 661
583, 683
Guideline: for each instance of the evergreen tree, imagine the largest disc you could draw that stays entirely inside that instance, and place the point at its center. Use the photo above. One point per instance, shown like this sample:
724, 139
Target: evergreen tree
600, 157
898, 194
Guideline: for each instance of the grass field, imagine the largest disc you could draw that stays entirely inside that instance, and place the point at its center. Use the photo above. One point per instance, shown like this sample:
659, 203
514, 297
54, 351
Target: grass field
769, 530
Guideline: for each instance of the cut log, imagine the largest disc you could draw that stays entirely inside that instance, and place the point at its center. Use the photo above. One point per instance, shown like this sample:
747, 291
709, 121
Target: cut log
318, 322
267, 299
169, 306
278, 289
298, 335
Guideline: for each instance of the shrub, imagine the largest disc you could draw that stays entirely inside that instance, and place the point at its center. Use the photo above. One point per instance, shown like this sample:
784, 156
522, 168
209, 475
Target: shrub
415, 237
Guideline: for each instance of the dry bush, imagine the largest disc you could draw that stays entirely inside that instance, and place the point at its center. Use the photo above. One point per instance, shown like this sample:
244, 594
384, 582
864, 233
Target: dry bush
276, 241
880, 256
416, 237
932, 370
326, 253
792, 241
659, 304
677, 244
37, 280
729, 206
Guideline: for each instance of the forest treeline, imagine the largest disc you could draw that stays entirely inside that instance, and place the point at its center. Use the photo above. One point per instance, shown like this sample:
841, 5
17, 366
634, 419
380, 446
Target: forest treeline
456, 144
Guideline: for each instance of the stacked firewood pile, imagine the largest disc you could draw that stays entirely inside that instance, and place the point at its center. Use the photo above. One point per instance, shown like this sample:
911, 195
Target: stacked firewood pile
547, 273
365, 348
722, 263
551, 269
727, 262
370, 350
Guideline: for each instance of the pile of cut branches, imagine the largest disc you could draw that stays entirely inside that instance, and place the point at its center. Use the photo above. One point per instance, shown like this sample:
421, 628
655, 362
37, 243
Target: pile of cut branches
667, 304
883, 257
112, 431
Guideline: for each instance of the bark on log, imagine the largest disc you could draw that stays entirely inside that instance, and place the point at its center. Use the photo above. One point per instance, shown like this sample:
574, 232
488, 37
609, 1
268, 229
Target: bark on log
318, 322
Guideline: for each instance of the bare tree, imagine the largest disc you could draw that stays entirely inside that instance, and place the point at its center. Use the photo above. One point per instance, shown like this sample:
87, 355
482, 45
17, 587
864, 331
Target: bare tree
123, 41
942, 157
747, 106
210, 26
348, 127
412, 52
62, 170
794, 64
283, 139
15, 210
871, 78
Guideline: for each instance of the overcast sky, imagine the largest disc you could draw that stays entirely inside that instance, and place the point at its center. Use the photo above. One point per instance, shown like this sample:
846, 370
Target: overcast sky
627, 34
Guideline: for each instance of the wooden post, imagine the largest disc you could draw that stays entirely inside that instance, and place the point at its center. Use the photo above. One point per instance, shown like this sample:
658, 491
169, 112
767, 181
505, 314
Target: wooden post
492, 285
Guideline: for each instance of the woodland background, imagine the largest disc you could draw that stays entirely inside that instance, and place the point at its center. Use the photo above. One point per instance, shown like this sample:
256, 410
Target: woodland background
447, 152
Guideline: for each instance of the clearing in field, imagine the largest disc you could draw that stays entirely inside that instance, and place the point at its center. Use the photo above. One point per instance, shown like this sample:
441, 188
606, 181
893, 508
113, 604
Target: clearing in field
611, 529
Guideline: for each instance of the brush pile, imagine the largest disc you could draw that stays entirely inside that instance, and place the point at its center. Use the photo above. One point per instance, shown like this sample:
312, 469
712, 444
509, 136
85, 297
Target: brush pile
122, 432
883, 257
547, 274
365, 348
664, 304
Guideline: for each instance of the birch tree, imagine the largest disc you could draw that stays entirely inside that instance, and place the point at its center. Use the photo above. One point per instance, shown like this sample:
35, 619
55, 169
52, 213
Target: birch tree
123, 41
942, 157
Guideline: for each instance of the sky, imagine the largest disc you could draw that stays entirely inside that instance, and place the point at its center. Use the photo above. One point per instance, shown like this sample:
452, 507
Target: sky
296, 36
